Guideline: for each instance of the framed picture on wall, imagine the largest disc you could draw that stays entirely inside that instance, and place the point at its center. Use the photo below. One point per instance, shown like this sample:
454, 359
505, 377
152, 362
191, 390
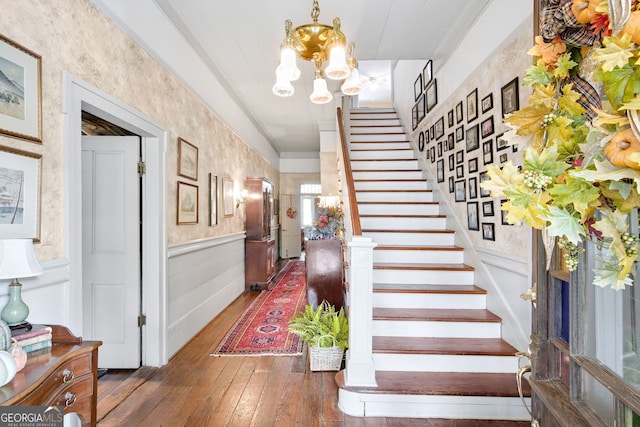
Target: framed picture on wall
460, 171
427, 73
473, 138
487, 152
421, 108
503, 214
510, 97
21, 109
488, 231
451, 142
432, 95
227, 196
459, 115
452, 162
417, 87
473, 187
487, 208
482, 178
451, 185
187, 205
459, 133
213, 199
460, 191
440, 170
459, 157
187, 159
450, 118
487, 127
421, 141
473, 165
20, 181
473, 222
501, 142
433, 154
472, 105
439, 128
487, 103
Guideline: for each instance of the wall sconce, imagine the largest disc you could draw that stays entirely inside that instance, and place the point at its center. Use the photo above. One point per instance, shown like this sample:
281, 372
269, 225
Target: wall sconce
241, 197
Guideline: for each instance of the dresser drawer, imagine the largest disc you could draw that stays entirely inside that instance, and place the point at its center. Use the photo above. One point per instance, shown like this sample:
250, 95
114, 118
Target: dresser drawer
72, 393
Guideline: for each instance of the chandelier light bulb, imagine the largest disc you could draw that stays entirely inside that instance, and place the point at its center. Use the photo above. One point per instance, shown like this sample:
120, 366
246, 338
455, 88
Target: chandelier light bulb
321, 94
352, 85
337, 68
283, 86
288, 63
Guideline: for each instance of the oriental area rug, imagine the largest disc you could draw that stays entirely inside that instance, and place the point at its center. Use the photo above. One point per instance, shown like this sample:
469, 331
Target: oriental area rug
263, 328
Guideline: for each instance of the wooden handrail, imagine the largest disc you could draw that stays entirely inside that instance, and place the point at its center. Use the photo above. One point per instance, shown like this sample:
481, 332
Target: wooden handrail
353, 204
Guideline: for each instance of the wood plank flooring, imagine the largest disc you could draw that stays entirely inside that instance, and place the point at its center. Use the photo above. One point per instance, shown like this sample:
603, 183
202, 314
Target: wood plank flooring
195, 389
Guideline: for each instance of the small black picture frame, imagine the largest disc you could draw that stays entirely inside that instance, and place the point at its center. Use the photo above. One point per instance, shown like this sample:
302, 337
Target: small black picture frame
439, 130
451, 185
487, 208
487, 127
440, 170
432, 131
452, 162
473, 187
460, 192
426, 137
504, 213
451, 142
459, 115
473, 219
432, 95
487, 103
417, 87
433, 154
420, 111
427, 73
460, 171
487, 152
460, 133
501, 142
427, 153
414, 117
472, 138
459, 157
482, 177
439, 149
472, 105
510, 98
473, 165
421, 141
488, 231
503, 158
450, 118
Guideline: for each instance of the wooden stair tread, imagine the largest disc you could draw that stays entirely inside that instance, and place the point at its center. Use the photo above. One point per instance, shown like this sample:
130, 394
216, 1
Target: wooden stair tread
382, 149
372, 230
397, 203
389, 180
435, 314
400, 216
441, 384
384, 160
449, 346
394, 191
427, 289
417, 248
421, 266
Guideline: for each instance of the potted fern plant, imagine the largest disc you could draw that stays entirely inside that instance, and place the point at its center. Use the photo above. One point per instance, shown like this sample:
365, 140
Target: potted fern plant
326, 332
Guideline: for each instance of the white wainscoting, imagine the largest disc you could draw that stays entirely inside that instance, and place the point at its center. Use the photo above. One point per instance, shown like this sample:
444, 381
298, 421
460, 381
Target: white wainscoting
204, 277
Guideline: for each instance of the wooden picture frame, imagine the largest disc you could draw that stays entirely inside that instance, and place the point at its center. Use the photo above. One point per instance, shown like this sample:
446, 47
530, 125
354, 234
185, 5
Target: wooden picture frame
427, 73
472, 105
487, 103
472, 138
20, 180
228, 196
213, 200
187, 159
459, 112
487, 127
510, 97
460, 192
487, 208
21, 93
187, 203
432, 95
488, 231
473, 219
417, 87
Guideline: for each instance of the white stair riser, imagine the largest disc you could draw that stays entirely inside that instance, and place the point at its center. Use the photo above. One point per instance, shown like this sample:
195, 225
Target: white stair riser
432, 256
392, 196
413, 300
392, 185
355, 124
430, 277
387, 165
366, 137
414, 328
363, 146
407, 209
409, 223
382, 115
376, 129
428, 406
387, 175
382, 155
431, 239
444, 363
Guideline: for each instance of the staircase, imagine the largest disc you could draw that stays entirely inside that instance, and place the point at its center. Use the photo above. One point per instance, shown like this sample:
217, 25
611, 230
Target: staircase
437, 350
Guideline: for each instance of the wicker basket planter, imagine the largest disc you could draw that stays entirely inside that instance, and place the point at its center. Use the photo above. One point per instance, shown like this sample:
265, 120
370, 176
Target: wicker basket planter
326, 358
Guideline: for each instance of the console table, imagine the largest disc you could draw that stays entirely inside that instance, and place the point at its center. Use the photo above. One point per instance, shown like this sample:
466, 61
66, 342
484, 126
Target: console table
66, 375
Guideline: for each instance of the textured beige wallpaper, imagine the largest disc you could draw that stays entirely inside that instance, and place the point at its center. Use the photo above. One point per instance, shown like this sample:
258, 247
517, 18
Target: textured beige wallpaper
73, 36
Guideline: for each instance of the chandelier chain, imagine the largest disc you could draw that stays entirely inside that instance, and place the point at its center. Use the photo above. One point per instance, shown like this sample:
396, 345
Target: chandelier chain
315, 12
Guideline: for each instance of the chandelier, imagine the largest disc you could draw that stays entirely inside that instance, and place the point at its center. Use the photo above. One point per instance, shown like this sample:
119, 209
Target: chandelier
318, 43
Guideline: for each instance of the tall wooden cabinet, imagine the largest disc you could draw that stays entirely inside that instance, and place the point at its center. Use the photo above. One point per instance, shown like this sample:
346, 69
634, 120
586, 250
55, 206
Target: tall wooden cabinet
260, 244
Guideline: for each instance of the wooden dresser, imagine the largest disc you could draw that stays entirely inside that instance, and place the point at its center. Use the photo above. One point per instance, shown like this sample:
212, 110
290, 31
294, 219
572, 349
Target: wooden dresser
64, 376
260, 244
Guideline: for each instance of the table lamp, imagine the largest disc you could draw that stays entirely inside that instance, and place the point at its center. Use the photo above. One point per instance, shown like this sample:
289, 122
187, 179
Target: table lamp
17, 260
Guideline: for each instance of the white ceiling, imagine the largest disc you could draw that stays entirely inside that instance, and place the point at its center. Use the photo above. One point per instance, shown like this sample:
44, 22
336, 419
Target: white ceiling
240, 39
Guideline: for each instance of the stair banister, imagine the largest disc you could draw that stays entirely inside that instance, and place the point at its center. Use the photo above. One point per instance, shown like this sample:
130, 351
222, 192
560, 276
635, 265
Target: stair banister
359, 368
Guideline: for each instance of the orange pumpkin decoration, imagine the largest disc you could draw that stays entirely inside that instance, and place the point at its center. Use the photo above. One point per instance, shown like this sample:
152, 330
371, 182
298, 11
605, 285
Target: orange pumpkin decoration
620, 147
632, 27
584, 10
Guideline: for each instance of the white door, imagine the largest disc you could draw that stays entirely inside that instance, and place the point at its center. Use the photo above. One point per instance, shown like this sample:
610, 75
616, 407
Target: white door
111, 284
291, 229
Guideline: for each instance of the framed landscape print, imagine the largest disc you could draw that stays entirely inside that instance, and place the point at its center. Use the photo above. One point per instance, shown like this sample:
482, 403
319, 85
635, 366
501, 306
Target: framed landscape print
187, 159
187, 203
213, 199
487, 103
20, 181
472, 138
472, 106
227, 196
21, 92
473, 222
510, 97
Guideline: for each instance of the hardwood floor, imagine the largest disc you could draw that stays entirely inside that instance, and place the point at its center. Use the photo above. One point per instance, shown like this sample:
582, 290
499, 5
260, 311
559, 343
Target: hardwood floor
195, 389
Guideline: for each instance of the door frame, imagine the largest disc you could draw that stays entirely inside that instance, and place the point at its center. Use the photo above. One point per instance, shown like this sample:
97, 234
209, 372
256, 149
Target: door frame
80, 96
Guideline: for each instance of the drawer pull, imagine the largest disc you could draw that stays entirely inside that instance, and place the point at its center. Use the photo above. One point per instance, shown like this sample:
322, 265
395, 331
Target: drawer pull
67, 376
70, 399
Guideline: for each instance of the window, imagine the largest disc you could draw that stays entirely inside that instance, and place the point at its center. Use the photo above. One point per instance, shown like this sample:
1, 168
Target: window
308, 200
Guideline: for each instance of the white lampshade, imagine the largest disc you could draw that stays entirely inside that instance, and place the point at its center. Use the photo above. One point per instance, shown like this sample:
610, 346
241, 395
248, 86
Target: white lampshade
352, 85
283, 86
321, 94
288, 64
337, 68
17, 259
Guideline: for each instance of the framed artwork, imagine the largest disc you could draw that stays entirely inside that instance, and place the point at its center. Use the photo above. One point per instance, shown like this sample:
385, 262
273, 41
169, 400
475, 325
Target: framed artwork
503, 158
472, 138
472, 105
460, 192
421, 141
482, 178
20, 181
473, 222
427, 154
487, 103
487, 152
440, 170
459, 157
427, 73
432, 132
487, 208
514, 148
432, 95
213, 200
417, 87
503, 214
451, 185
459, 133
452, 162
473, 187
227, 196
414, 117
426, 136
510, 97
439, 132
460, 171
187, 203
421, 110
459, 115
439, 148
451, 142
488, 231
187, 159
487, 127
20, 92
501, 142
473, 165
450, 118
433, 154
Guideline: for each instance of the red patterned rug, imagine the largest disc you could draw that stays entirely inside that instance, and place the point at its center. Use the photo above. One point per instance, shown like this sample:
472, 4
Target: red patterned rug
262, 330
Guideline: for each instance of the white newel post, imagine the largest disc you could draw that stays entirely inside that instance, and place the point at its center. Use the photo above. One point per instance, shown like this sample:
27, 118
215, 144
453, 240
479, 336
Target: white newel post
360, 369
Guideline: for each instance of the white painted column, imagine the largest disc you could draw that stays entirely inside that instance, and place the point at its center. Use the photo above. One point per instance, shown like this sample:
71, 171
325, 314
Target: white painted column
360, 369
